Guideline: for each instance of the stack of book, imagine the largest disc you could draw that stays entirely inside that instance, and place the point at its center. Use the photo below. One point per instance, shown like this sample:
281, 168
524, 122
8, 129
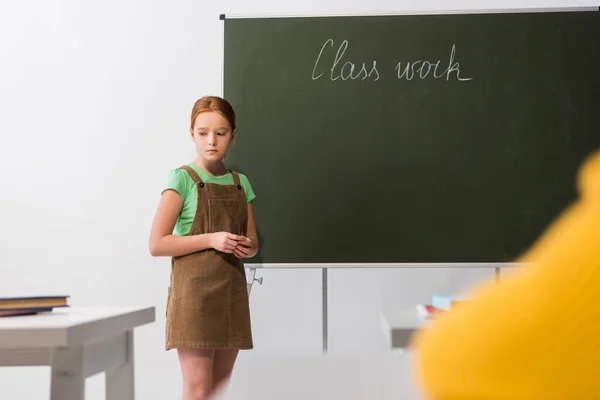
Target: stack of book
439, 304
28, 305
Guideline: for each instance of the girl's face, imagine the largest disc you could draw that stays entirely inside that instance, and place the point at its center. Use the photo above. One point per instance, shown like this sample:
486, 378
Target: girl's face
212, 135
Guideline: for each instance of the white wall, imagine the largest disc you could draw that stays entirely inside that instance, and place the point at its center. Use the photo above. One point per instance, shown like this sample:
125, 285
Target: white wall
95, 98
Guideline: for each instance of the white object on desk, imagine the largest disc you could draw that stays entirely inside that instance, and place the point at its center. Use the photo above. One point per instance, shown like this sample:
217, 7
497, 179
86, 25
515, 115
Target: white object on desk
77, 343
399, 326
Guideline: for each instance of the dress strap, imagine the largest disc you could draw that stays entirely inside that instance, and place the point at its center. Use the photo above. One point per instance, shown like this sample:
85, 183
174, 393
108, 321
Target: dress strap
236, 179
192, 173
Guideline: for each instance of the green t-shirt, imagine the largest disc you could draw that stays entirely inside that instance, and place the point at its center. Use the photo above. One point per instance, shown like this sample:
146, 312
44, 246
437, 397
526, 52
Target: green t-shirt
180, 181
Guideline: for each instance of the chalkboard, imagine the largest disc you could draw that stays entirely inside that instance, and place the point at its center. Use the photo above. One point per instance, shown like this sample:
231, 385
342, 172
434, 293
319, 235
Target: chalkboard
411, 138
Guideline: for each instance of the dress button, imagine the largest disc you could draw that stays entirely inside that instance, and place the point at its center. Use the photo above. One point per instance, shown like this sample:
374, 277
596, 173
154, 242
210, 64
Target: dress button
239, 187
201, 184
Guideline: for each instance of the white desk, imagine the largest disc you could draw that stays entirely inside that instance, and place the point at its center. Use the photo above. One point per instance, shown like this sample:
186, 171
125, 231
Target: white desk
77, 343
399, 325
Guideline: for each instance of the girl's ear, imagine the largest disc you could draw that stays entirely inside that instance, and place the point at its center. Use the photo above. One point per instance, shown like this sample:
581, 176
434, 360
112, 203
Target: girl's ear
233, 134
192, 133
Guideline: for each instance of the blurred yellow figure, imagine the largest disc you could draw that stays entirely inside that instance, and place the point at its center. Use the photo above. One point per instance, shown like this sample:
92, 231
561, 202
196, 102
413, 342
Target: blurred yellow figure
536, 334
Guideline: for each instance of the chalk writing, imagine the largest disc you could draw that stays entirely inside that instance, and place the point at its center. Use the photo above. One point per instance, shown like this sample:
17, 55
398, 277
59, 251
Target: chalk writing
336, 67
423, 68
347, 69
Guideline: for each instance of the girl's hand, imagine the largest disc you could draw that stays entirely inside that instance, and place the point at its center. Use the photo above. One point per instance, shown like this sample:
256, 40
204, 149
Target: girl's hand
243, 247
225, 241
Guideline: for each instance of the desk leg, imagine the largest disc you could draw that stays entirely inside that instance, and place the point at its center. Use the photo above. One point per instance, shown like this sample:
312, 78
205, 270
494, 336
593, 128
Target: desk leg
324, 301
120, 384
67, 379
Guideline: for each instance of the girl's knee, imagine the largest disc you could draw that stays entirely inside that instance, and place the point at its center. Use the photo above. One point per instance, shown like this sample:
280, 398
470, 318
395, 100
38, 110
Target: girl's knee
197, 390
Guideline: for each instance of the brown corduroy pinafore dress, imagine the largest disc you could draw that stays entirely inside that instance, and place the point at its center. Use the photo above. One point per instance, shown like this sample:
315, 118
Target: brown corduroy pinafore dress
207, 301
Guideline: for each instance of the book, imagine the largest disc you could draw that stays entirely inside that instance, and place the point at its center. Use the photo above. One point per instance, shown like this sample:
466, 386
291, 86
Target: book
29, 302
427, 311
14, 312
445, 302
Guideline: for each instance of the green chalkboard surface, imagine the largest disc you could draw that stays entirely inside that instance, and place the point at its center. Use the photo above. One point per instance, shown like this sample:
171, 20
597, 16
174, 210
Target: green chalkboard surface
411, 138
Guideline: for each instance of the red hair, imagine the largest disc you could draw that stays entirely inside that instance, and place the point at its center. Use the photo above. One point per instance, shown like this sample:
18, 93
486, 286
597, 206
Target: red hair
213, 103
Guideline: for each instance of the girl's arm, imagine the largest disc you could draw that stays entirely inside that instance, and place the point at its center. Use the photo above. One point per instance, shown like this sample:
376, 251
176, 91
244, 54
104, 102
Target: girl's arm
164, 243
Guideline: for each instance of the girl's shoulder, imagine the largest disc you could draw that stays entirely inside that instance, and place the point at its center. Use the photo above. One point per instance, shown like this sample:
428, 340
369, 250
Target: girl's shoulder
243, 178
245, 183
180, 174
179, 179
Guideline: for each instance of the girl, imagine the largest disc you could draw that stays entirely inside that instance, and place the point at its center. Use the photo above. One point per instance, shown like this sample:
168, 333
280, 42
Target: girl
205, 222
